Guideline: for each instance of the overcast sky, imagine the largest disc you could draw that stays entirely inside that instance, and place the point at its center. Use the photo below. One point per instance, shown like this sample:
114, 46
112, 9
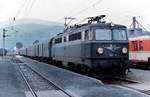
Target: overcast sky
117, 11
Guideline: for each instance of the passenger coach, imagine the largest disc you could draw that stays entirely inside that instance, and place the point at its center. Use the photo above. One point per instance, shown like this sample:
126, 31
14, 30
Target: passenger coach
140, 49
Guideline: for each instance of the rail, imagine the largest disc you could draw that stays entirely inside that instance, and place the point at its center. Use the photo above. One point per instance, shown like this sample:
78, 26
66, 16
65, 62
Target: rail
38, 73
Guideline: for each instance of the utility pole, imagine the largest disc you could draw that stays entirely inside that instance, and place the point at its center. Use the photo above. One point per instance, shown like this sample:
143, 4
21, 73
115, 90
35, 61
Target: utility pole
4, 36
134, 23
4, 42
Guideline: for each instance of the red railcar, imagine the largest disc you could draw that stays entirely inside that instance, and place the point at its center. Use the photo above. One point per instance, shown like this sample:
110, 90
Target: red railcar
140, 49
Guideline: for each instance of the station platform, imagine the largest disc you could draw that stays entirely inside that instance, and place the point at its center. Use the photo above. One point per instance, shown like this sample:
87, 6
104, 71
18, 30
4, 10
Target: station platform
11, 84
142, 76
79, 85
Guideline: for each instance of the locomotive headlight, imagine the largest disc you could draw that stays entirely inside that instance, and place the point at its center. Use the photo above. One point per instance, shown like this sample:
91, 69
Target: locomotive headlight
124, 50
100, 50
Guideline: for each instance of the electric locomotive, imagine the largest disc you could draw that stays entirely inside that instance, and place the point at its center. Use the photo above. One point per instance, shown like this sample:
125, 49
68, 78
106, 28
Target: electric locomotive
96, 46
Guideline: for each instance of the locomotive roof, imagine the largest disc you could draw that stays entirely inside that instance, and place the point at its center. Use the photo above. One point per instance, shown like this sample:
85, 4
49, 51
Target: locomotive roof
82, 26
88, 26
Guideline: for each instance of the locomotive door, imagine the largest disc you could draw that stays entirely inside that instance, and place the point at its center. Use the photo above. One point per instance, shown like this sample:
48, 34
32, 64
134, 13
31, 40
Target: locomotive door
134, 49
86, 36
50, 49
38, 50
26, 52
64, 52
34, 51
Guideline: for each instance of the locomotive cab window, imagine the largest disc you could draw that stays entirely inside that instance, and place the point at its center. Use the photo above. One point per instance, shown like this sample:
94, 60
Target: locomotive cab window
107, 34
86, 35
119, 34
102, 34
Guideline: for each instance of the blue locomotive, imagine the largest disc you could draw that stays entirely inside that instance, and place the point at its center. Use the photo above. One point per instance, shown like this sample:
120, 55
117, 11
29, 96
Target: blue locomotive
96, 46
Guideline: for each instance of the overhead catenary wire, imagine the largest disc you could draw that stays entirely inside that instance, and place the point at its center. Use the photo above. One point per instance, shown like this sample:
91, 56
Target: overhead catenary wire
82, 20
83, 10
133, 24
24, 10
20, 9
10, 26
28, 11
13, 18
117, 15
143, 22
17, 14
142, 26
26, 6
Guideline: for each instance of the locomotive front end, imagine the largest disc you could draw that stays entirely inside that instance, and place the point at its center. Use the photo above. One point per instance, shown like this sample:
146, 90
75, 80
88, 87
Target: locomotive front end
109, 48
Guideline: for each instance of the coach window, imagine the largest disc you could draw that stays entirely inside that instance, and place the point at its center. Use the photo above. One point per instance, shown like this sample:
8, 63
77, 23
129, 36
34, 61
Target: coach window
70, 37
86, 35
79, 35
135, 45
141, 45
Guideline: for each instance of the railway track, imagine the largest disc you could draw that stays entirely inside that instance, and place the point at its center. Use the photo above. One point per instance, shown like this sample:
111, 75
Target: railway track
36, 82
121, 81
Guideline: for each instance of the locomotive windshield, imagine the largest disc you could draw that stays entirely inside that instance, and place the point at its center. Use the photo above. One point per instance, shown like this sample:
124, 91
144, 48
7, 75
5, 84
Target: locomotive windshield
103, 34
119, 34
106, 34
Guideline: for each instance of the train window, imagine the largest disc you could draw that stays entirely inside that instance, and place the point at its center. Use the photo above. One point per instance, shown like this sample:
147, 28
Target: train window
58, 40
64, 39
135, 45
103, 34
79, 35
86, 35
141, 45
70, 37
119, 34
76, 36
